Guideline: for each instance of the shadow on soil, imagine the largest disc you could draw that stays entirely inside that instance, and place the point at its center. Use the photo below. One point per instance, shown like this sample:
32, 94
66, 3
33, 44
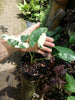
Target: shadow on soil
3, 29
12, 91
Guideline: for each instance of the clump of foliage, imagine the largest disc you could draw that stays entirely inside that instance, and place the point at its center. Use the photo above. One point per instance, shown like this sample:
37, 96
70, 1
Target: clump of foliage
33, 9
70, 86
38, 36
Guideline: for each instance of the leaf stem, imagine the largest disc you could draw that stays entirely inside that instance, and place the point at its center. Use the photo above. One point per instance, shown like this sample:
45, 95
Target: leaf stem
45, 58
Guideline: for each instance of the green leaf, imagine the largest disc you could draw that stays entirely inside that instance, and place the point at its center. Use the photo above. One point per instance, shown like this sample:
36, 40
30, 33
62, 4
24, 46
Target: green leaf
64, 50
67, 57
35, 35
15, 42
72, 38
71, 98
71, 83
24, 38
56, 37
51, 33
65, 53
43, 29
58, 29
12, 42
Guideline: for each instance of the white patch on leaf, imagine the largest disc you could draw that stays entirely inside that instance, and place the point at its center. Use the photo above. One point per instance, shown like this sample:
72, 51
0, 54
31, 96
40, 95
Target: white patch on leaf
26, 45
42, 40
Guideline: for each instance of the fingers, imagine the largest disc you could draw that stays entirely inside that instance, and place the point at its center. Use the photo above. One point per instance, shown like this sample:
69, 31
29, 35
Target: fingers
49, 44
22, 50
40, 51
49, 39
35, 26
46, 49
32, 28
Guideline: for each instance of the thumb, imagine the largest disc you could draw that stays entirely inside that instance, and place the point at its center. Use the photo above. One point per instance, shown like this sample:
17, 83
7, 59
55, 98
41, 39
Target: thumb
33, 27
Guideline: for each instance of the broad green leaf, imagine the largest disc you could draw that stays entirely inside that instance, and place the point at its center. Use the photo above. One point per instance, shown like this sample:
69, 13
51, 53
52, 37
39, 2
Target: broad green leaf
24, 38
42, 40
71, 98
65, 53
43, 29
72, 39
35, 35
64, 50
71, 83
67, 57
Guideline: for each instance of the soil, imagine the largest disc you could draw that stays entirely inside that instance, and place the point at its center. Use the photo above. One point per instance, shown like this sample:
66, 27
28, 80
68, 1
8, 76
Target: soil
36, 68
52, 84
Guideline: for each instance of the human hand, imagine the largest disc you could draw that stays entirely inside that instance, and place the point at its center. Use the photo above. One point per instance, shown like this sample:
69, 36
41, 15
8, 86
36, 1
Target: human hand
44, 49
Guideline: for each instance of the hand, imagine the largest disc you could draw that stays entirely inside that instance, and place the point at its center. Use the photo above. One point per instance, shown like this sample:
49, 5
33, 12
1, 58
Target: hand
44, 49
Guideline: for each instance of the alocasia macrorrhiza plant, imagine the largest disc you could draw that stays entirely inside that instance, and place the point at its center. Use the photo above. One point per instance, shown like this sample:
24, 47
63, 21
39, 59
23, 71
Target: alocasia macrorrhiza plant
38, 36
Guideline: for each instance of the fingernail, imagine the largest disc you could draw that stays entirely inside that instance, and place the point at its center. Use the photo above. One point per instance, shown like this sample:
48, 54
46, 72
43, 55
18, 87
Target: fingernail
52, 39
50, 50
53, 45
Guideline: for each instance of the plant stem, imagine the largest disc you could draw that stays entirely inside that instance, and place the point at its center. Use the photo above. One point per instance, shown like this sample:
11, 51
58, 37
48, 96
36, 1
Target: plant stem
45, 58
31, 57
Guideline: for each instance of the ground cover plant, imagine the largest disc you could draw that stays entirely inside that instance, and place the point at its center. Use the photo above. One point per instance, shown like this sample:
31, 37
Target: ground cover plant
34, 9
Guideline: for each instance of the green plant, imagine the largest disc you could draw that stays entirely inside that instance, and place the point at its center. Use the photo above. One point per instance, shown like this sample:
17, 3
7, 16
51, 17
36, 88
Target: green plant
72, 39
38, 36
70, 86
33, 10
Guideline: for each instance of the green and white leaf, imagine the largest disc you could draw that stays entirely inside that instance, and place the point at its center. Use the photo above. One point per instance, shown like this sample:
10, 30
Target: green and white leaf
71, 83
24, 38
71, 98
35, 35
15, 42
42, 40
67, 57
65, 53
